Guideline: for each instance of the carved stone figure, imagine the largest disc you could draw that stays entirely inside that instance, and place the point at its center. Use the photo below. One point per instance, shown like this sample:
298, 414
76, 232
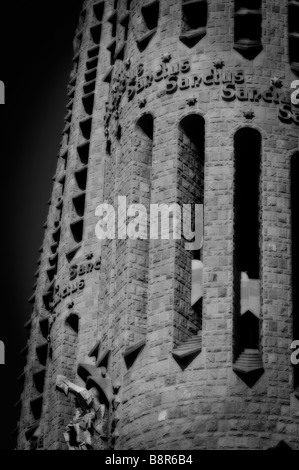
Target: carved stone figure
89, 427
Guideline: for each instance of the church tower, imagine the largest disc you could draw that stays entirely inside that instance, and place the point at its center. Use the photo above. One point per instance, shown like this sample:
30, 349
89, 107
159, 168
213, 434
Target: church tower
136, 342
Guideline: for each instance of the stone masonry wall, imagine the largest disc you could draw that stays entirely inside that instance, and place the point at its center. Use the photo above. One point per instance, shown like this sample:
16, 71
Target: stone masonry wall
135, 294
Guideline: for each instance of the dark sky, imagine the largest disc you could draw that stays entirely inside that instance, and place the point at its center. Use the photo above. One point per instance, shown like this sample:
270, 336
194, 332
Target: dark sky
35, 63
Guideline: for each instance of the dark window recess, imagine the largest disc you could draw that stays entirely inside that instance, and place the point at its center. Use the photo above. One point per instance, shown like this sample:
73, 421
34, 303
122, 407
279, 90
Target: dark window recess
187, 351
54, 247
44, 327
42, 353
83, 152
248, 361
96, 32
112, 47
98, 10
53, 260
104, 359
118, 133
91, 64
36, 407
191, 148
131, 353
93, 53
85, 127
247, 180
194, 21
248, 28
81, 178
150, 13
295, 253
108, 147
73, 322
51, 273
71, 254
146, 124
108, 75
77, 231
92, 75
294, 35
79, 204
89, 87
95, 351
113, 20
144, 41
39, 380
56, 235
88, 102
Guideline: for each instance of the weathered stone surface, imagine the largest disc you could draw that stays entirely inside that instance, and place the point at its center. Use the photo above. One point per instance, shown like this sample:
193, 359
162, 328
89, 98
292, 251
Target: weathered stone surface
139, 292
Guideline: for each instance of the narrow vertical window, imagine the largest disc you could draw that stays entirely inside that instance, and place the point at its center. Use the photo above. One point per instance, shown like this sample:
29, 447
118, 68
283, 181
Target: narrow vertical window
139, 272
248, 28
194, 21
150, 15
191, 167
295, 255
248, 361
294, 35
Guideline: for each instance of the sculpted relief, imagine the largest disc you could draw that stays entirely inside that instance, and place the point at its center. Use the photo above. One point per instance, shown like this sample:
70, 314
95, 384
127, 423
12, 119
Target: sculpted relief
89, 428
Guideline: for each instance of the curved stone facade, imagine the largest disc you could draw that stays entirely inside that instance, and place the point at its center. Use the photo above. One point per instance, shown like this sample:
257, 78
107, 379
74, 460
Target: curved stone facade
165, 99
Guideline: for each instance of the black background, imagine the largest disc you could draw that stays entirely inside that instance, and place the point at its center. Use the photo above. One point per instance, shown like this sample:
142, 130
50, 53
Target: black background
35, 62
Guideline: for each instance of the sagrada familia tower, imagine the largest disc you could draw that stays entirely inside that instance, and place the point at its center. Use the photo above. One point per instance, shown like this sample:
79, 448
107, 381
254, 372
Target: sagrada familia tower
139, 343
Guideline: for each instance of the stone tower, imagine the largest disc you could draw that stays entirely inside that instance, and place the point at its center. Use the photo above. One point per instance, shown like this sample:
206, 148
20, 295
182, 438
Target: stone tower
139, 343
